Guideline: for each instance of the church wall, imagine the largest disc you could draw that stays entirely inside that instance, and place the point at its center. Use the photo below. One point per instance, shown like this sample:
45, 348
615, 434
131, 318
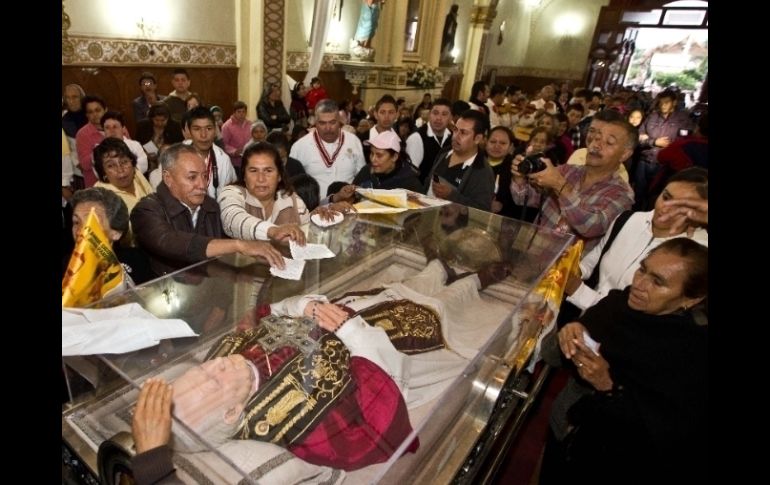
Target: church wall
107, 45
171, 20
548, 42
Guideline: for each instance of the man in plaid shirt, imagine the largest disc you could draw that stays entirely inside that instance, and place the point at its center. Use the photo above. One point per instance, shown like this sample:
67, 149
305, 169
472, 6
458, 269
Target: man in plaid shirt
583, 200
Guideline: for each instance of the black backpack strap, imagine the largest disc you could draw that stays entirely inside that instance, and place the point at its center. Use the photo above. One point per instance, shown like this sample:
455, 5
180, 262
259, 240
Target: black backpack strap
620, 221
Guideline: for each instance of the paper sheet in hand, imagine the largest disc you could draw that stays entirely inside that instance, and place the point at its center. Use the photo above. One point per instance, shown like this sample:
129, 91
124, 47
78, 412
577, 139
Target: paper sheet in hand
310, 251
293, 270
150, 147
117, 330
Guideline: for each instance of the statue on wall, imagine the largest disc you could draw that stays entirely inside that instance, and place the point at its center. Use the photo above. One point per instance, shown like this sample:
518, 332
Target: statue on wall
448, 35
361, 44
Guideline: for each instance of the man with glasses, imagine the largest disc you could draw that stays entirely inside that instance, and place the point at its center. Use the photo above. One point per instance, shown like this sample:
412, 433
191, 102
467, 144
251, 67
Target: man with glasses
142, 103
461, 172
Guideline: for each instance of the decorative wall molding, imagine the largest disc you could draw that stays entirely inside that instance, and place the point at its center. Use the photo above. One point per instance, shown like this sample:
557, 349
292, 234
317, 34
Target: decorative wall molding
483, 15
96, 51
536, 72
299, 61
272, 55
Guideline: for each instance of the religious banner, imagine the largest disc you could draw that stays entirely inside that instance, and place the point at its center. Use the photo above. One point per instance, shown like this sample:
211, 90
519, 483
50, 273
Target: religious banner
539, 314
93, 270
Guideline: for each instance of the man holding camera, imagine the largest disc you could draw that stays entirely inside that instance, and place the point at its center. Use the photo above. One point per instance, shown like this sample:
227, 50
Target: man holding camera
582, 200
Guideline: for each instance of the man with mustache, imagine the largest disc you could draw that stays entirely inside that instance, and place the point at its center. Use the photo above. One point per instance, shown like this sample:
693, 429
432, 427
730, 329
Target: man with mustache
582, 200
180, 224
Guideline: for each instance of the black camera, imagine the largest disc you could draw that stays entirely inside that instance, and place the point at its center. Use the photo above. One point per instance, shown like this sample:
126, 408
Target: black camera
531, 164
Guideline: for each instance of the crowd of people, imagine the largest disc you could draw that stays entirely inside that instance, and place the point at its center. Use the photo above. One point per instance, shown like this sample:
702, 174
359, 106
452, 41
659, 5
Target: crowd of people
625, 173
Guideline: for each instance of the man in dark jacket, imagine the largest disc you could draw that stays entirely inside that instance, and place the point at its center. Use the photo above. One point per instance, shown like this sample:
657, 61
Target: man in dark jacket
180, 224
463, 174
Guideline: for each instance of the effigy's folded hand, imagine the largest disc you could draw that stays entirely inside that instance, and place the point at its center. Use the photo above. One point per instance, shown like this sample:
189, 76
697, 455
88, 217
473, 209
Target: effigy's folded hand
328, 316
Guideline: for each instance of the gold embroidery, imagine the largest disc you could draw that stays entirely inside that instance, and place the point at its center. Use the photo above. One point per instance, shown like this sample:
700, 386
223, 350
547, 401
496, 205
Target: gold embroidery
280, 411
386, 324
297, 396
413, 328
406, 319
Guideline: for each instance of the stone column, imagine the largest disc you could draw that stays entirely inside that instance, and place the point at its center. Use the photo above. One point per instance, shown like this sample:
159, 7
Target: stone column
249, 30
389, 38
435, 13
482, 14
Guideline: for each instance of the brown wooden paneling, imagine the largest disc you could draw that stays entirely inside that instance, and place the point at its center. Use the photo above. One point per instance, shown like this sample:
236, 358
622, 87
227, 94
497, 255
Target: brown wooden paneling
119, 85
337, 87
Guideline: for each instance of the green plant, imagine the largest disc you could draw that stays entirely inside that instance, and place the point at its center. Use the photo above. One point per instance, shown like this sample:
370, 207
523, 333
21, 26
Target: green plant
684, 79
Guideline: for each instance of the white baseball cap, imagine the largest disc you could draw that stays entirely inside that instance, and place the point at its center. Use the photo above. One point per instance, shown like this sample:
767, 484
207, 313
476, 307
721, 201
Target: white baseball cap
386, 139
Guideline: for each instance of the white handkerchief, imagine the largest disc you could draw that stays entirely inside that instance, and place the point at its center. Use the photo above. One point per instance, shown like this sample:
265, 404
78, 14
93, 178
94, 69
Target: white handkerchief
591, 343
320, 222
310, 251
293, 270
116, 330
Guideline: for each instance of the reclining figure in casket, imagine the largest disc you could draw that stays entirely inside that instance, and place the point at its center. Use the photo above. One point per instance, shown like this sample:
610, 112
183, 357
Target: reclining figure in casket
331, 381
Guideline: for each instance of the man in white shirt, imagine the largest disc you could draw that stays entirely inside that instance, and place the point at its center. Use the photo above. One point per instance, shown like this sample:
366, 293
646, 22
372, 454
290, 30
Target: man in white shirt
328, 154
203, 132
423, 145
386, 113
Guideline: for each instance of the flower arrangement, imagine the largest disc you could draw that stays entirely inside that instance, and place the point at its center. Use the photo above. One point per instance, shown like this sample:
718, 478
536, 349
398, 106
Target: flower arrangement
422, 76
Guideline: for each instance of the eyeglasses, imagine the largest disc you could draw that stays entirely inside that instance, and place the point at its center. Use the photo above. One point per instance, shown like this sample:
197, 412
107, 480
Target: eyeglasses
113, 165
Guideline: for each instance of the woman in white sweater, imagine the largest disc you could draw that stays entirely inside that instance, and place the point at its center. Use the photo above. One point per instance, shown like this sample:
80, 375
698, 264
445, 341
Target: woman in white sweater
643, 231
262, 205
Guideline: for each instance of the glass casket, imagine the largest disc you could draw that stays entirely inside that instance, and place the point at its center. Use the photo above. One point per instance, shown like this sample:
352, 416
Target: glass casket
458, 395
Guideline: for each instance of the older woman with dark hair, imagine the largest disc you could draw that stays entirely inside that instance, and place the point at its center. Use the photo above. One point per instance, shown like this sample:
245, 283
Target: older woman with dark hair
115, 164
262, 205
636, 410
389, 167
112, 214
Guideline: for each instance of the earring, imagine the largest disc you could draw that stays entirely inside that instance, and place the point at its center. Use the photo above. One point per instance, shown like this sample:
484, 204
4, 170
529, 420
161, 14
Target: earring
684, 308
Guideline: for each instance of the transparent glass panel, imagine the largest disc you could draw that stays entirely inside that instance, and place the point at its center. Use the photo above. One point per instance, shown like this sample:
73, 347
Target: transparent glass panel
687, 3
285, 383
643, 18
684, 17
